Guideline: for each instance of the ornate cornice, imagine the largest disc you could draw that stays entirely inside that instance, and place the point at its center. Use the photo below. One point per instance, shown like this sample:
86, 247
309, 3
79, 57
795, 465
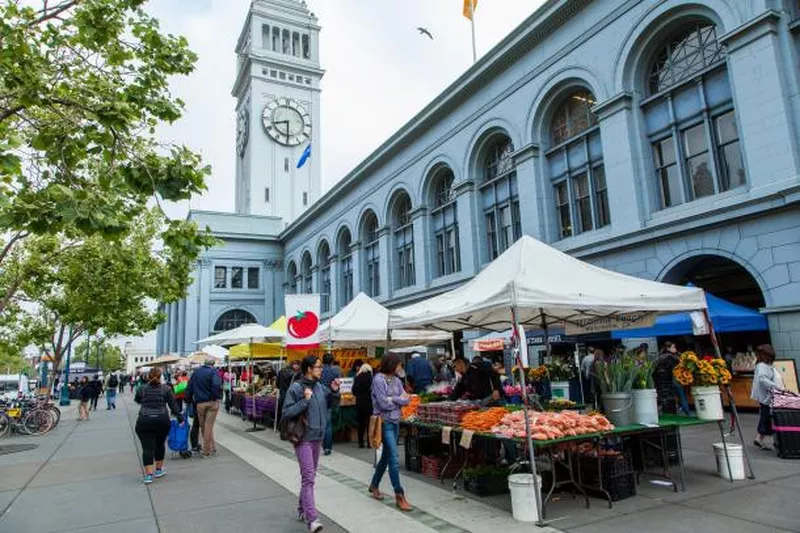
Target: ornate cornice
619, 102
762, 25
525, 152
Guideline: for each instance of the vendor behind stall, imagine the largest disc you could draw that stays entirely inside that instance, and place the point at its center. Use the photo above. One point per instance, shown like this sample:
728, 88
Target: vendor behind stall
478, 381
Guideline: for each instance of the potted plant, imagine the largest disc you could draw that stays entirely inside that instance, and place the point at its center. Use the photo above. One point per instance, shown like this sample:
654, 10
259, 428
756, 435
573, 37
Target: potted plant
645, 398
704, 375
616, 379
560, 372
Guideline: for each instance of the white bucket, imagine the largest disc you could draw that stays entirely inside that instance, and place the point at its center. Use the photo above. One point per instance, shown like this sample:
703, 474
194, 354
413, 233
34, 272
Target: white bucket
645, 406
523, 502
559, 390
736, 457
708, 403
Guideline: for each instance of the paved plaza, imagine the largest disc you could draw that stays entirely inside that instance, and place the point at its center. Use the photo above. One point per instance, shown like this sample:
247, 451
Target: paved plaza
85, 477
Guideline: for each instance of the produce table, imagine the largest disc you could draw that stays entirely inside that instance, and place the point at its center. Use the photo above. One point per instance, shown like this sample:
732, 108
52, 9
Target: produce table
562, 453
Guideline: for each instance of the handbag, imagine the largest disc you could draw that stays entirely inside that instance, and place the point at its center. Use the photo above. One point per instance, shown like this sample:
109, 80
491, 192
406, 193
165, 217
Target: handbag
375, 431
293, 429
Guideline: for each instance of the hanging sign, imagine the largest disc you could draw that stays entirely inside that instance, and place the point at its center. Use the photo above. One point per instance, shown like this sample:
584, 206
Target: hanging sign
603, 324
488, 345
302, 324
699, 324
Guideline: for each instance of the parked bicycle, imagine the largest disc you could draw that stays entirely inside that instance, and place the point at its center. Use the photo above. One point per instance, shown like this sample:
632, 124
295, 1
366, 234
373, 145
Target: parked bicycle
30, 416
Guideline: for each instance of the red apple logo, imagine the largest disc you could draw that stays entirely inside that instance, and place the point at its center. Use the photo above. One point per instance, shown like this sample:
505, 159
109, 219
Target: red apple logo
303, 324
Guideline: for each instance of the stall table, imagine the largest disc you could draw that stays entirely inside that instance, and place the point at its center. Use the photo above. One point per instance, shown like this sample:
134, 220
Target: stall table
741, 384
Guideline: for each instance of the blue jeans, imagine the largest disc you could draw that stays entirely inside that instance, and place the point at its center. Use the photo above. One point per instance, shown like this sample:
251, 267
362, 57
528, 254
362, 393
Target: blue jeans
111, 398
681, 391
327, 440
389, 458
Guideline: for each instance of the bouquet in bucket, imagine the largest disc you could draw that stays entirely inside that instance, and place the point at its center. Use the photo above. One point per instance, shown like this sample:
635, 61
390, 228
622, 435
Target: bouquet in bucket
704, 371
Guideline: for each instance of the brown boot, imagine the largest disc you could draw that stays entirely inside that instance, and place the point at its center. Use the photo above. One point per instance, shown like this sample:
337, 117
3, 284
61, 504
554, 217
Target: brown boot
376, 493
402, 503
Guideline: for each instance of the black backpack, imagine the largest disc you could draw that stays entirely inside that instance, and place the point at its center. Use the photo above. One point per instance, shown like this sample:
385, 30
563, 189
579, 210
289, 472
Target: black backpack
113, 382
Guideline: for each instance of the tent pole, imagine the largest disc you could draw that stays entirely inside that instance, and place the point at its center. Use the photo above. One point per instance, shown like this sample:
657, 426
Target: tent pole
537, 492
731, 400
255, 424
278, 396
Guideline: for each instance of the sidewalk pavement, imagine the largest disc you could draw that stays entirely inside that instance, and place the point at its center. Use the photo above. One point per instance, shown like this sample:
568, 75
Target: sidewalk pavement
86, 477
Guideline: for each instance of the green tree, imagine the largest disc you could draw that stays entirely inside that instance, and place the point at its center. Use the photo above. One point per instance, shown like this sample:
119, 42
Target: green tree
109, 356
11, 359
83, 85
104, 286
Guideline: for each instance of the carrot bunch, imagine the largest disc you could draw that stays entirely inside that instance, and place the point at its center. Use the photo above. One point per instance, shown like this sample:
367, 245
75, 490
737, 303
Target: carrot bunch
484, 420
411, 409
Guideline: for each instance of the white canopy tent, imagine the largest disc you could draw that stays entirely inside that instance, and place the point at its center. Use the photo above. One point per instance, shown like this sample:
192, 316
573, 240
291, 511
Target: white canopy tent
545, 287
536, 285
363, 322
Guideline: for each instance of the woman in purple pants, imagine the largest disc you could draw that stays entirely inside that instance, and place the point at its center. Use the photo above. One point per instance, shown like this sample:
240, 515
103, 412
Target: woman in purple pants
309, 397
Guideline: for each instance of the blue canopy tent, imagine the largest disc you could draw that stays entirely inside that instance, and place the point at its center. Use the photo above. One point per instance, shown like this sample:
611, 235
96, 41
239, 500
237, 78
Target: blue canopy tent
725, 316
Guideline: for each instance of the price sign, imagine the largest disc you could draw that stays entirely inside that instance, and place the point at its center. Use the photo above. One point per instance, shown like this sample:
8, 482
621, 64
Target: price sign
466, 439
446, 434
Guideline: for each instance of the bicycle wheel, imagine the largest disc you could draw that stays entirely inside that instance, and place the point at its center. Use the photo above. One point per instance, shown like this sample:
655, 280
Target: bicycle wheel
56, 412
37, 422
5, 425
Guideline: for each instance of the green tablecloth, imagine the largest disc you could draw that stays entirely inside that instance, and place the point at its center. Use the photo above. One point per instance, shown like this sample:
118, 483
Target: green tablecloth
343, 417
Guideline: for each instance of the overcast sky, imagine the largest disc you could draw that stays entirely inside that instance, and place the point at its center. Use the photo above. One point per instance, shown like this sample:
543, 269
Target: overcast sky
380, 73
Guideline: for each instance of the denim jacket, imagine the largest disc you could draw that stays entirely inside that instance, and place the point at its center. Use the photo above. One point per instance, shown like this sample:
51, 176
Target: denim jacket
315, 408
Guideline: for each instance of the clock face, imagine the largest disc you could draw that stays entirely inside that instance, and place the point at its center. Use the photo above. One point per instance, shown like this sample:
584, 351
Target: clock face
286, 121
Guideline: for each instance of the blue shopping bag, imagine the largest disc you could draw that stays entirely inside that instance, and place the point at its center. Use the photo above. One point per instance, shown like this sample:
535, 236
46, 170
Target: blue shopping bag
178, 438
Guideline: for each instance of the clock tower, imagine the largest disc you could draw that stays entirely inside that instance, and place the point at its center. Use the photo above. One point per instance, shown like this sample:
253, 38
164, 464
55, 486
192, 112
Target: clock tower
277, 93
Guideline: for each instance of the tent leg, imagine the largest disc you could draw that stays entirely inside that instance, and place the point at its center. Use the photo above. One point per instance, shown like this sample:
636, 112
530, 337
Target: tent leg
255, 424
537, 489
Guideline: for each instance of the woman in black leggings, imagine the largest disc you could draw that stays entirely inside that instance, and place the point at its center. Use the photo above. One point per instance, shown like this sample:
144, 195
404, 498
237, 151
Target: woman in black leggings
152, 426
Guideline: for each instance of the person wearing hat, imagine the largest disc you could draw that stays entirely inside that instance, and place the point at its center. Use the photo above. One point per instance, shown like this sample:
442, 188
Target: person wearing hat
205, 391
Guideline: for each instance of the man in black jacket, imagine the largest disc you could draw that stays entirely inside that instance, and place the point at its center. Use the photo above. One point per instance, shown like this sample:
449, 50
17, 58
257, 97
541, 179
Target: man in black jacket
205, 391
478, 381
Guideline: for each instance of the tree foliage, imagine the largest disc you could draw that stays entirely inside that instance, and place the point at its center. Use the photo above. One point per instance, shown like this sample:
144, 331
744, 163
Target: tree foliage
83, 85
109, 356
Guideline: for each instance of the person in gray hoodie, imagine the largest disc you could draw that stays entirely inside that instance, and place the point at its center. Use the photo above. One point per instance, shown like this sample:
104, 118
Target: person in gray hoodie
310, 398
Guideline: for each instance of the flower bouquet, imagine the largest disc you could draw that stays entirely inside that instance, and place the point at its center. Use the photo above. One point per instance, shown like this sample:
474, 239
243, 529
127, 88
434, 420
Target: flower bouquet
704, 374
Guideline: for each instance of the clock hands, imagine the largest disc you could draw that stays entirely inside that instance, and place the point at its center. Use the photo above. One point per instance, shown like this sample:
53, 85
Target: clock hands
283, 122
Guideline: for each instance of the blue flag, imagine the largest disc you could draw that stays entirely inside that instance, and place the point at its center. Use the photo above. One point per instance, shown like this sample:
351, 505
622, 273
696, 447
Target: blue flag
304, 157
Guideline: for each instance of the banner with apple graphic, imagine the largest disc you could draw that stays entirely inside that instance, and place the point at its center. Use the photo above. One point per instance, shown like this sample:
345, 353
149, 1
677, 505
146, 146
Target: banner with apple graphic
302, 321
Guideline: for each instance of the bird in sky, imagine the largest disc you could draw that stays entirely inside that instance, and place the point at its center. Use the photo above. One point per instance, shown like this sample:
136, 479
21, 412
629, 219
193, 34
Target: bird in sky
424, 31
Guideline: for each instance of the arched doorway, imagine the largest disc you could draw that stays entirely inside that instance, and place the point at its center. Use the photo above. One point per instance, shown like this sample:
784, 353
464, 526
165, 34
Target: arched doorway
721, 277
233, 319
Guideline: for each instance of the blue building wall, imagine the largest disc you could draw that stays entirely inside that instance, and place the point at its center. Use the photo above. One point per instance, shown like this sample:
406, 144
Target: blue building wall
605, 47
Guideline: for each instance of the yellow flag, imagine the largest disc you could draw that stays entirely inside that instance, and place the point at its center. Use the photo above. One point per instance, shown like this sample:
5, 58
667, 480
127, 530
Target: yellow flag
469, 8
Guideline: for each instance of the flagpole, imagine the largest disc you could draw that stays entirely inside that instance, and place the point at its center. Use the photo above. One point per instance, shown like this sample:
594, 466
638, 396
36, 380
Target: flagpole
472, 25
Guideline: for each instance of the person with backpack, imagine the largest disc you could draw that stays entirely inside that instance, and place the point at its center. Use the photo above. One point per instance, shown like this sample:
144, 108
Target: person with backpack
152, 424
85, 394
122, 380
181, 384
97, 390
112, 382
309, 400
205, 391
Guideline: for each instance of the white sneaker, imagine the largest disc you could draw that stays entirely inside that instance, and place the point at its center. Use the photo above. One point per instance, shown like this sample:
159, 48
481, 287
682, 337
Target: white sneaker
314, 527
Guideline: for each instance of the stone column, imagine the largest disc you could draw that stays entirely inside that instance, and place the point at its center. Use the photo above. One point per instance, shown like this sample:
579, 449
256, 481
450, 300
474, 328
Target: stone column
358, 267
386, 261
529, 189
205, 298
268, 287
627, 198
421, 240
181, 341
756, 67
468, 240
192, 307
173, 327
315, 279
160, 333
335, 273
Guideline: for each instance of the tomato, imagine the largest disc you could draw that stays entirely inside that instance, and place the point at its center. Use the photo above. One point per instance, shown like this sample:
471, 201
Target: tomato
303, 324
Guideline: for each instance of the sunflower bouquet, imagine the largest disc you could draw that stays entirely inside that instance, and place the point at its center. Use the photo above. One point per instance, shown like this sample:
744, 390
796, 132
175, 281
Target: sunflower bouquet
701, 371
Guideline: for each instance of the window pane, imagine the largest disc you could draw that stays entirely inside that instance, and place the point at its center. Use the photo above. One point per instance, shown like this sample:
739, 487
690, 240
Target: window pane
252, 277
577, 155
220, 277
665, 152
491, 235
237, 274
583, 206
562, 206
700, 175
726, 128
695, 140
601, 197
732, 166
686, 102
670, 181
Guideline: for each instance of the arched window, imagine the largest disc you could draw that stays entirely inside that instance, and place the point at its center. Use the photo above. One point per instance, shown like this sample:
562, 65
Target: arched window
296, 44
372, 254
233, 319
445, 223
690, 118
575, 163
345, 267
324, 262
305, 272
306, 47
500, 199
276, 39
291, 275
403, 227
286, 42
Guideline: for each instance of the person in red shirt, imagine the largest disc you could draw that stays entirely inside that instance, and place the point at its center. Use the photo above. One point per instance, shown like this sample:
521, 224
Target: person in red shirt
180, 389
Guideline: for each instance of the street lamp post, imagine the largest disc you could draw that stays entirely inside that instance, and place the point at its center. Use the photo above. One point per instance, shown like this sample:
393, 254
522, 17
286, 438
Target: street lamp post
64, 400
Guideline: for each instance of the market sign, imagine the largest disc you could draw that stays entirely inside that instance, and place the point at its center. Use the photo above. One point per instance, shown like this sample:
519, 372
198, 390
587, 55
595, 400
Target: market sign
346, 385
488, 345
302, 324
610, 323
